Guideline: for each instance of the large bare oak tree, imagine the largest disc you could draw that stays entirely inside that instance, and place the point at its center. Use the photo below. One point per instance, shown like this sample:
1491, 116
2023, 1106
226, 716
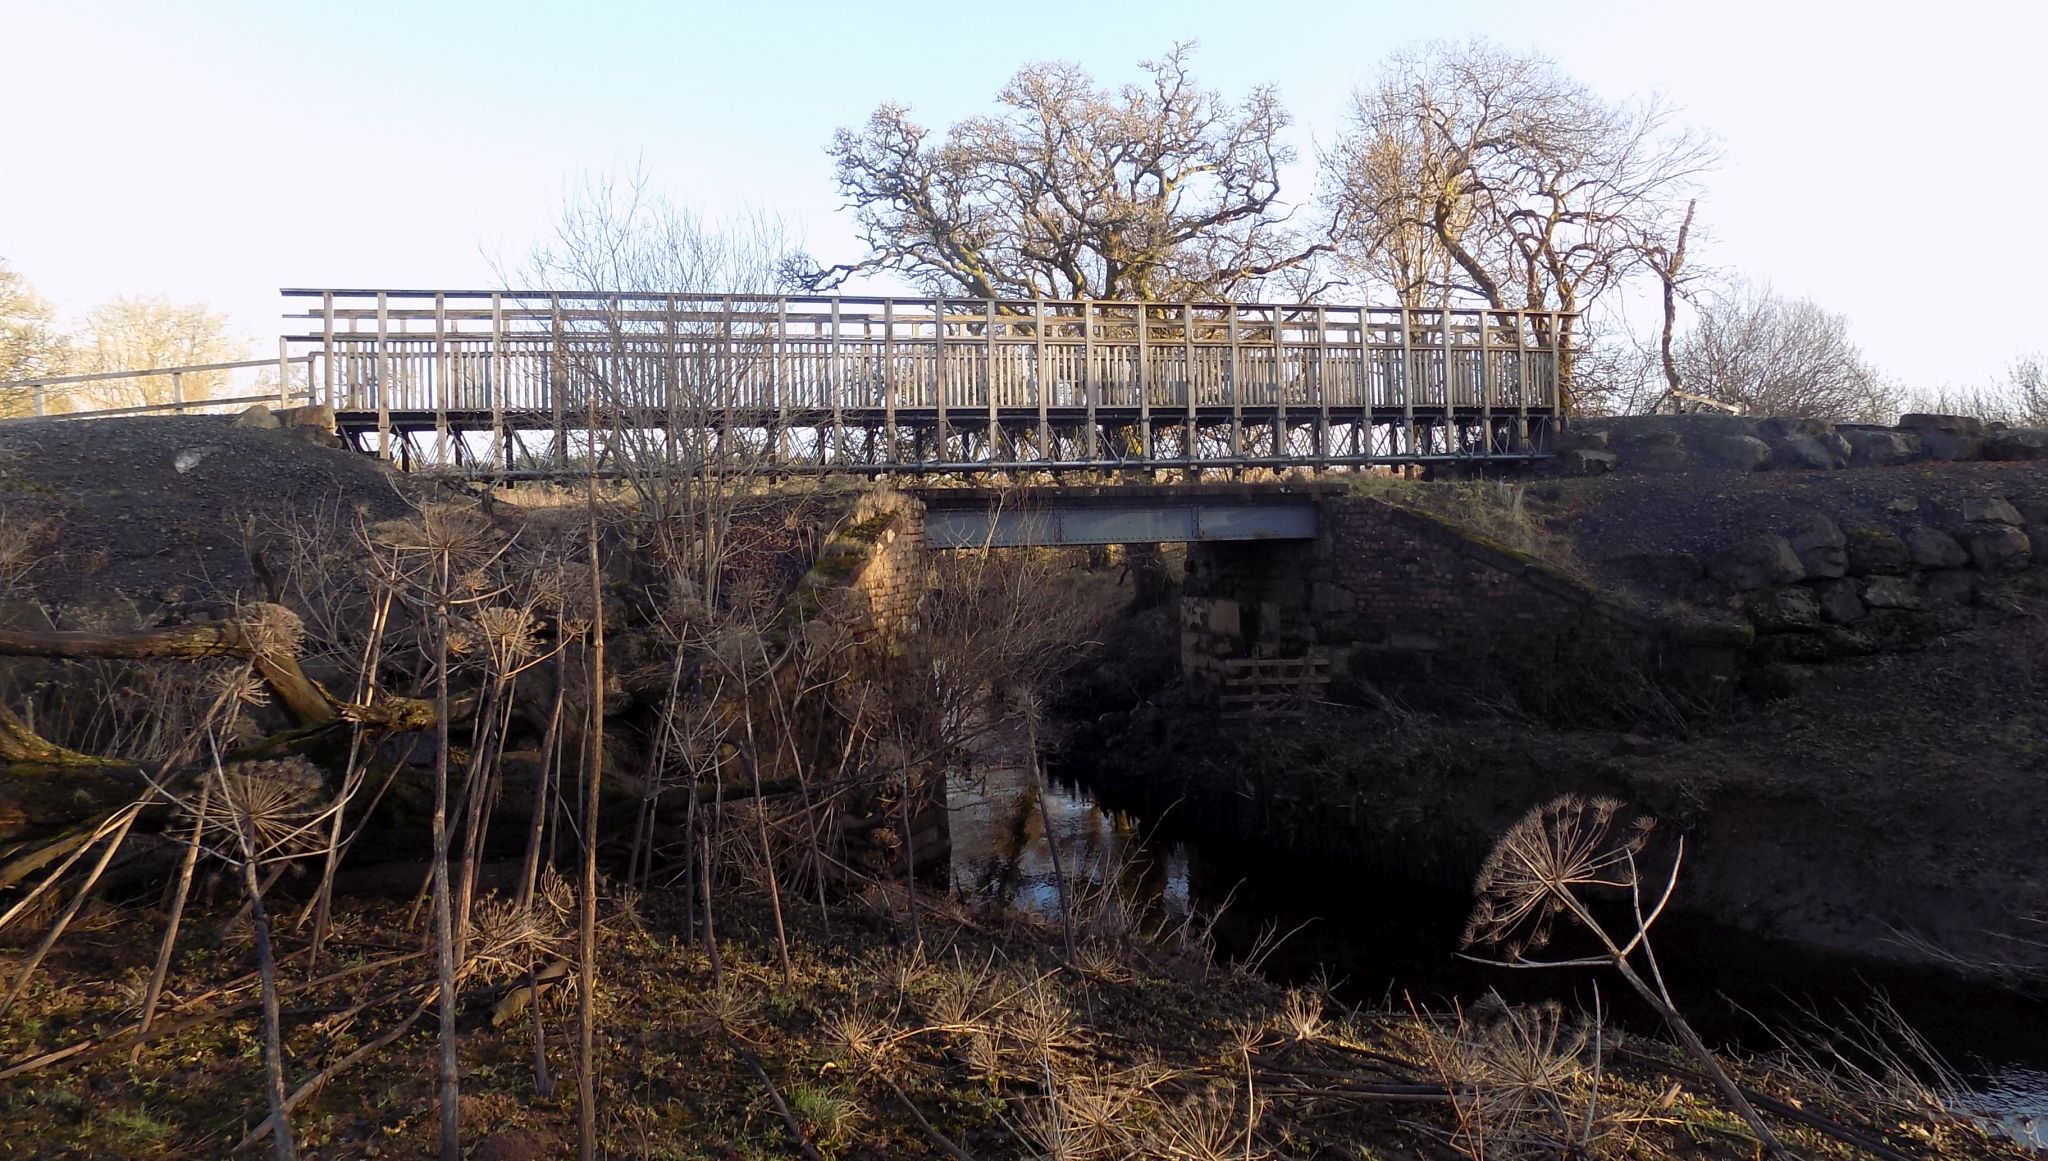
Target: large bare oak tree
1156, 191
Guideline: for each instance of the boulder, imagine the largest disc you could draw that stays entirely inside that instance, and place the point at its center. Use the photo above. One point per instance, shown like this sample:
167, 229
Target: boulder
1948, 424
1890, 592
1951, 446
1584, 439
1876, 552
1994, 510
1819, 545
1878, 448
317, 415
1933, 548
1839, 601
1780, 610
1758, 562
1950, 587
1804, 453
258, 417
1744, 453
317, 436
1999, 549
2017, 443
1779, 427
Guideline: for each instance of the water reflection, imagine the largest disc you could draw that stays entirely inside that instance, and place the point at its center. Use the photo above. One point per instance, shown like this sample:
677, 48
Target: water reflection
2016, 1100
1000, 849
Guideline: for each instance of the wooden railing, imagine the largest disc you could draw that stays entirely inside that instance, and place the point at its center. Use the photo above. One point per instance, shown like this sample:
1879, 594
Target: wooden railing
535, 352
180, 390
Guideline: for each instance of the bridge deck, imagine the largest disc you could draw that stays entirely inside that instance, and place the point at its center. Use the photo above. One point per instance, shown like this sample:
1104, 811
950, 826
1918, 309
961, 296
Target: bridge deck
900, 385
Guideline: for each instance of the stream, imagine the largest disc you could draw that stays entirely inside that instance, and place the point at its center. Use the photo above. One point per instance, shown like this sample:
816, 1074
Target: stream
1376, 941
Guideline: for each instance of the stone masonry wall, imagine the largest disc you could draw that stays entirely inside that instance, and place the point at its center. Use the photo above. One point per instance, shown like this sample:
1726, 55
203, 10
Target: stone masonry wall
1404, 602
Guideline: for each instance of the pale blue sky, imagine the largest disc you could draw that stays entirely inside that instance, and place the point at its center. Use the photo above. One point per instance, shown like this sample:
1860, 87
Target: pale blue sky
1883, 159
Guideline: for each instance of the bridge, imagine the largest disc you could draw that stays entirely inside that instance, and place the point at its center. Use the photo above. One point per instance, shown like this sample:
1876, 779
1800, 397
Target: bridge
511, 383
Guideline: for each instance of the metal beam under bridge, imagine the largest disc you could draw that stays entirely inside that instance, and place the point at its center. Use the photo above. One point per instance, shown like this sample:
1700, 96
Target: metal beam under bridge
1046, 517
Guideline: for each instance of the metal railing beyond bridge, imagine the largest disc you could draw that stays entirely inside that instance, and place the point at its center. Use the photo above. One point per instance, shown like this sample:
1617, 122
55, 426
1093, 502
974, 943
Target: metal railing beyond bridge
929, 386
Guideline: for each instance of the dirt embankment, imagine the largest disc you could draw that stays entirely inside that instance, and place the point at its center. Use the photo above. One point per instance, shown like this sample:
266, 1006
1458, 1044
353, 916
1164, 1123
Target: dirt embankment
162, 510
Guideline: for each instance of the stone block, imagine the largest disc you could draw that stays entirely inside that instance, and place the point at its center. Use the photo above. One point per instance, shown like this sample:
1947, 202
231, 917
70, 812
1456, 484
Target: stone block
1744, 453
1876, 552
2017, 443
1779, 427
1757, 562
1890, 592
1869, 448
1783, 609
259, 418
1992, 510
1225, 617
1950, 446
317, 415
1820, 546
1803, 453
1933, 548
1839, 602
1999, 549
1948, 424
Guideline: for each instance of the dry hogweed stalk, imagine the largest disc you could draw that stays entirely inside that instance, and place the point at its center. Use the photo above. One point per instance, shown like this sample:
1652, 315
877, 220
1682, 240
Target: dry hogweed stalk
1546, 866
276, 804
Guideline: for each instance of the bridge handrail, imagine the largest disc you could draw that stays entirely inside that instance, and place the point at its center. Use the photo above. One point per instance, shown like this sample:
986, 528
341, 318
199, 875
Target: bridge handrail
284, 393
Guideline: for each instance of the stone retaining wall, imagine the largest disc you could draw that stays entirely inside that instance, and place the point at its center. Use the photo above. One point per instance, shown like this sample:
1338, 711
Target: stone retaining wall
1400, 600
1676, 443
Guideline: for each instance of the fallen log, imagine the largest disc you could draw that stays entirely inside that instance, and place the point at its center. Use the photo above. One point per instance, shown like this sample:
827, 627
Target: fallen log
267, 638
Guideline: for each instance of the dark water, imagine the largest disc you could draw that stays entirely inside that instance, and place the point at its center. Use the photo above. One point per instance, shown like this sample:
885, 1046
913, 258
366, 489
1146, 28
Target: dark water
1376, 940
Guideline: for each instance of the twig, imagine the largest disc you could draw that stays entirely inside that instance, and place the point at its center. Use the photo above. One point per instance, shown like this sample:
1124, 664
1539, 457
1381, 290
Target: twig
796, 1130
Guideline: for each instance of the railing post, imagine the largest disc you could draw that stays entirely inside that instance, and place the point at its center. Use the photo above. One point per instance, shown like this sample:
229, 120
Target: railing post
327, 347
1088, 375
1144, 384
889, 379
988, 376
1407, 383
178, 391
284, 372
1486, 381
1191, 429
1232, 387
835, 382
495, 387
1042, 381
1322, 385
939, 433
42, 403
441, 378
383, 378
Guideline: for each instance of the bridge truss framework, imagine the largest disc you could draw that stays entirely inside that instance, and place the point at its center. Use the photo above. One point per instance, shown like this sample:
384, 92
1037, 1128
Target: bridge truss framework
503, 382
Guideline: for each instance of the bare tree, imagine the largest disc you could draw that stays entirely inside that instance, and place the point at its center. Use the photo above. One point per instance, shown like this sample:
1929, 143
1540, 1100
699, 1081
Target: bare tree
1156, 191
1470, 173
2020, 399
30, 344
1779, 356
131, 334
